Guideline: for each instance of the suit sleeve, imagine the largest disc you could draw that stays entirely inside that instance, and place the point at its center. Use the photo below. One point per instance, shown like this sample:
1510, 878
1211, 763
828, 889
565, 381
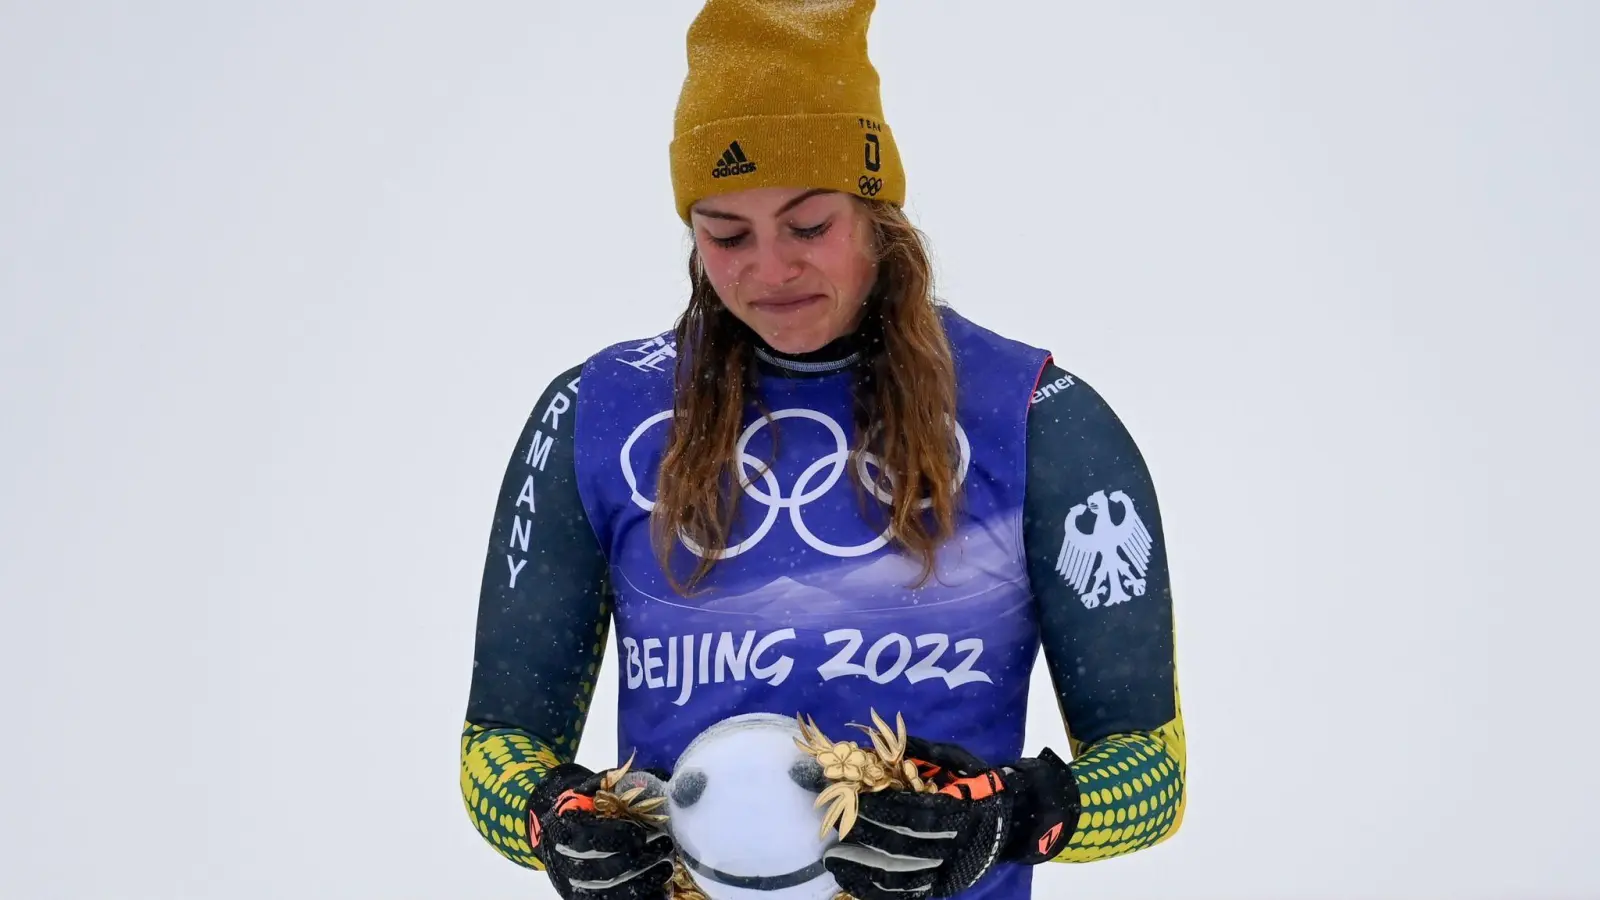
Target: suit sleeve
543, 614
1098, 566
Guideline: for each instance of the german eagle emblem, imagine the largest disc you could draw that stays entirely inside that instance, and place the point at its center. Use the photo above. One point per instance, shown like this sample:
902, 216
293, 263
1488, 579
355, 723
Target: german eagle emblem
1107, 564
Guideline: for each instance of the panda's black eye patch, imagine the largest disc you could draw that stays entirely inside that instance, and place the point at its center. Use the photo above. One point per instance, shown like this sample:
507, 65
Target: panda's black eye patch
808, 774
687, 788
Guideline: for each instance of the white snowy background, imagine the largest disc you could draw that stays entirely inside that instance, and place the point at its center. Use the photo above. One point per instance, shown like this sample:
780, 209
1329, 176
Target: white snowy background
279, 283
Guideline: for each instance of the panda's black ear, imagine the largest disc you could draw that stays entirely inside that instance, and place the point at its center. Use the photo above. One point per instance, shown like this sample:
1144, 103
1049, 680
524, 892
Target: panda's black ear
687, 786
808, 774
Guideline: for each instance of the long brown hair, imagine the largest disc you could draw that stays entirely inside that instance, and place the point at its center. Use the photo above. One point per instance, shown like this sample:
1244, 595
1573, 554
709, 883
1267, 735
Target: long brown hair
905, 404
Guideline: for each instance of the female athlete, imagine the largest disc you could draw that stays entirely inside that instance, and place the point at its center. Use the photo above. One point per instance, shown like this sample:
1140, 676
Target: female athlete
823, 492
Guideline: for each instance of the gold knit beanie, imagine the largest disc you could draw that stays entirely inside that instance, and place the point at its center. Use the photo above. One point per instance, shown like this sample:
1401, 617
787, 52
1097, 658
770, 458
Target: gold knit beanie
781, 93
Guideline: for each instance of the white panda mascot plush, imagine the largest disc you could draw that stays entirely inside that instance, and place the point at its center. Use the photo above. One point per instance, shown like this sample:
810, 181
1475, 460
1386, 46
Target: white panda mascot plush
741, 809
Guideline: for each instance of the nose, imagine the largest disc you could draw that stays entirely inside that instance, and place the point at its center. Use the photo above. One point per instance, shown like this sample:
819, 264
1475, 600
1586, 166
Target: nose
774, 264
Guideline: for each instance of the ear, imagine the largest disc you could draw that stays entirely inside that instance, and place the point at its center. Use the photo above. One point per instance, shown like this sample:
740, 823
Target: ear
808, 774
687, 787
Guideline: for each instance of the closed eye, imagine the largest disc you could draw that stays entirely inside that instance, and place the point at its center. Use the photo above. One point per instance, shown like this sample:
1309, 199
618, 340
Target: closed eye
814, 232
805, 234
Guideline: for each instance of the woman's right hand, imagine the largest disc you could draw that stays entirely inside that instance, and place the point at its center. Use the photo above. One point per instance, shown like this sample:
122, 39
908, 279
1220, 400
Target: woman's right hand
589, 856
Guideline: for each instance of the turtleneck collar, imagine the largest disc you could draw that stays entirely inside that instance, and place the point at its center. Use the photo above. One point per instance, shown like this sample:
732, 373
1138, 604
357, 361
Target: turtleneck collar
835, 356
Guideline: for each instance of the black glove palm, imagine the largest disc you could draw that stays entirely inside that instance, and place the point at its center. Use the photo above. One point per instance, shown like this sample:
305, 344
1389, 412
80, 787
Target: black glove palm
909, 846
589, 856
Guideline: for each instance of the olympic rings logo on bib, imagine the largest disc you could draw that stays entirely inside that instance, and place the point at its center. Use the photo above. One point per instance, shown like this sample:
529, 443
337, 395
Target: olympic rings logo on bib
770, 493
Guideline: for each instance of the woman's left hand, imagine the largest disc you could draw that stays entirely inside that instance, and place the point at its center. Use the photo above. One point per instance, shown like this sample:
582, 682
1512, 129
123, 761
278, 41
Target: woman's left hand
910, 846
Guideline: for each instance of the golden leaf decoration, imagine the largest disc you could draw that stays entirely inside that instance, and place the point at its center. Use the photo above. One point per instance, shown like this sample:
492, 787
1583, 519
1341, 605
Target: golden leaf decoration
609, 803
842, 799
682, 886
889, 742
854, 769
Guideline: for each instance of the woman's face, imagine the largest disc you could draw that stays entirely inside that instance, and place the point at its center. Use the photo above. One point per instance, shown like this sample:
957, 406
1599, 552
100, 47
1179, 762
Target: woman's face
795, 265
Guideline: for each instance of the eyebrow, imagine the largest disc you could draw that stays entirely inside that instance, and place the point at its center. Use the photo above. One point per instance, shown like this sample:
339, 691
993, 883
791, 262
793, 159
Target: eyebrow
718, 214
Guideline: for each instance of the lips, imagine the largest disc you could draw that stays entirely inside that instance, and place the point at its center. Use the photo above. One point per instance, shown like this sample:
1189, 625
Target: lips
784, 304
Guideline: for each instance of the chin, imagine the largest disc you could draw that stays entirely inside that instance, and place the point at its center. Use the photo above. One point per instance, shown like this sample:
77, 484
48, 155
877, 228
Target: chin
794, 344
793, 337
